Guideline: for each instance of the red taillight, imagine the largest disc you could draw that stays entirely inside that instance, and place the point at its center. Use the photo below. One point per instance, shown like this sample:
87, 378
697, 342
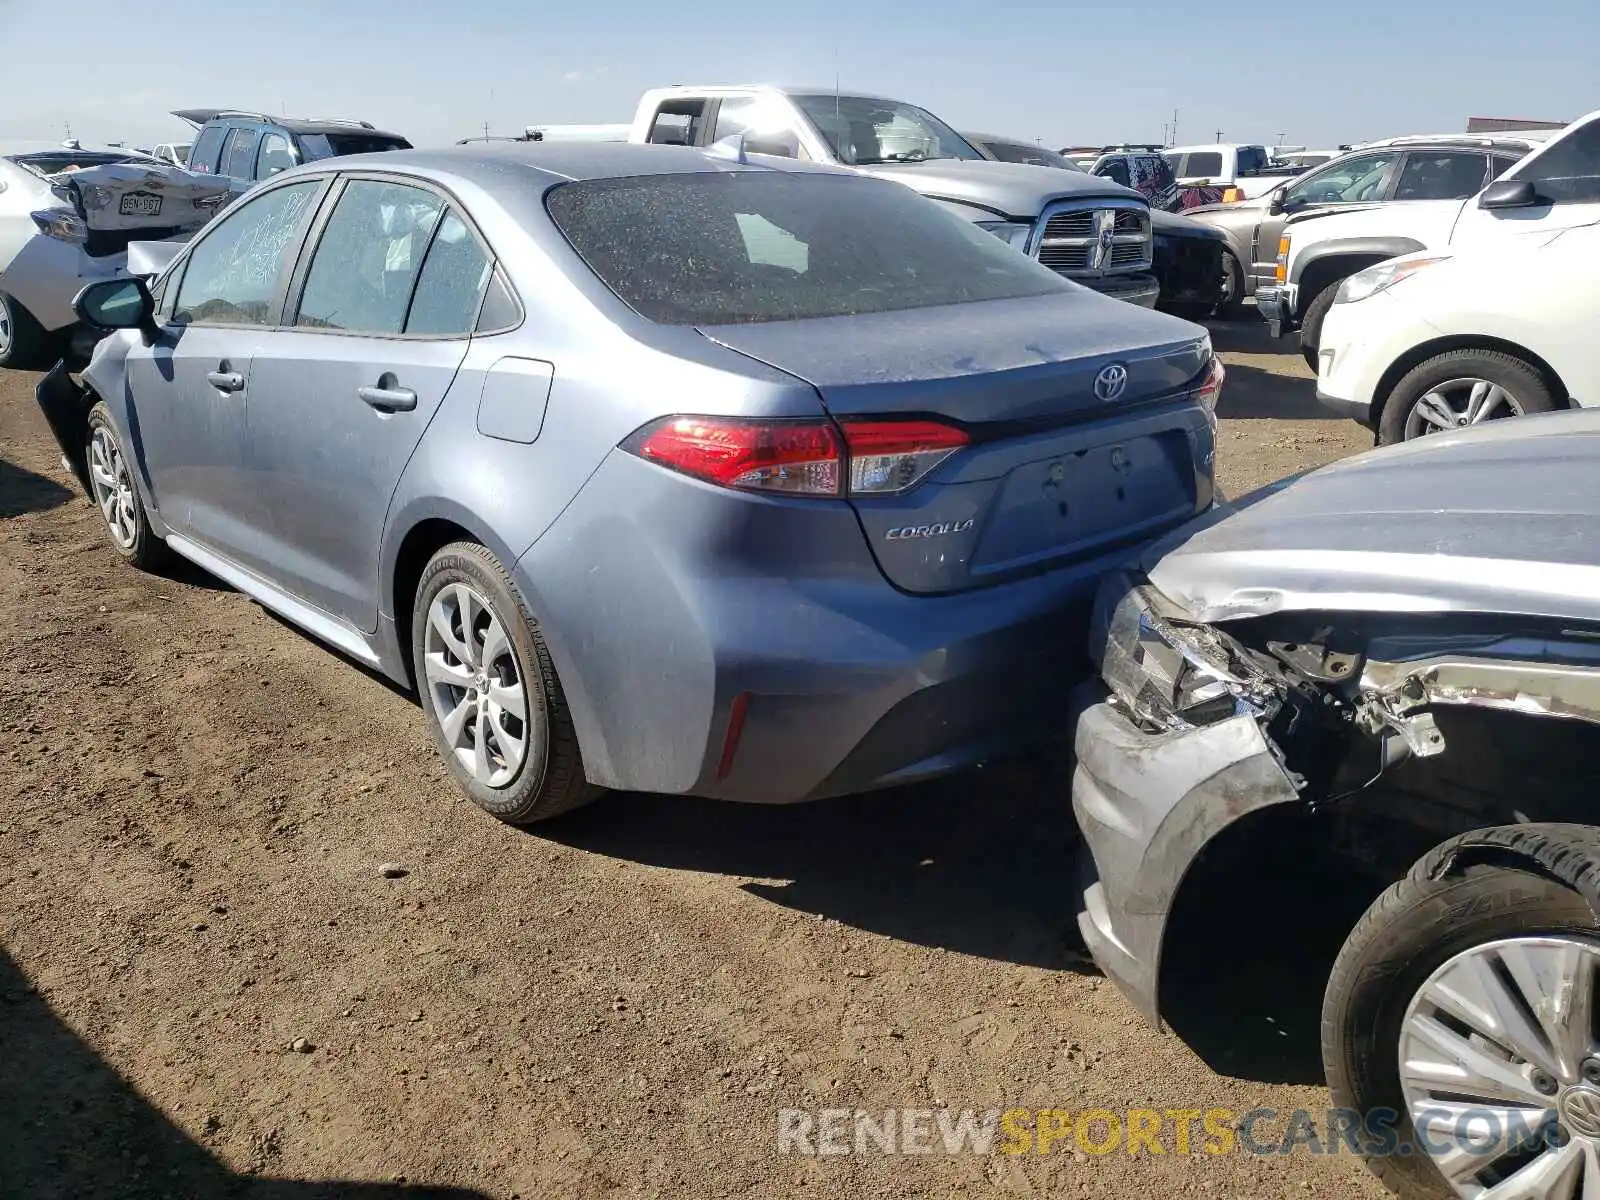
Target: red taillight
1211, 382
805, 458
891, 456
801, 457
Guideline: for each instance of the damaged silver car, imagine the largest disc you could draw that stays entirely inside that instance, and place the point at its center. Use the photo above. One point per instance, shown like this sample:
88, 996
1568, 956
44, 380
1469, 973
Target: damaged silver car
1399, 655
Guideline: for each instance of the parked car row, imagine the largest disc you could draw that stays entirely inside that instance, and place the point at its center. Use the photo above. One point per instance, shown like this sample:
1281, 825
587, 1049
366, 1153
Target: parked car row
882, 406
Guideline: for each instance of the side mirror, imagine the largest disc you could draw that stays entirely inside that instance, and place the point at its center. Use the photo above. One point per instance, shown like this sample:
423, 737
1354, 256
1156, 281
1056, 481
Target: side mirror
117, 304
1276, 205
1509, 193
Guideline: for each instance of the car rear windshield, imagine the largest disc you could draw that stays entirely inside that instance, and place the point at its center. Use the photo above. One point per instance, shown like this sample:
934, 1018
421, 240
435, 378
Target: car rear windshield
751, 246
336, 145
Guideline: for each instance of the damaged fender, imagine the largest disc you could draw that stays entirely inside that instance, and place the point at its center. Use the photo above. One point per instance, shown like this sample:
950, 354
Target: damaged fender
1148, 806
66, 407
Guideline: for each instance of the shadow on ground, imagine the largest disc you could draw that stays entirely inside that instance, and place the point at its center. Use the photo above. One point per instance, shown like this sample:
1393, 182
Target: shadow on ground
21, 491
980, 863
71, 1128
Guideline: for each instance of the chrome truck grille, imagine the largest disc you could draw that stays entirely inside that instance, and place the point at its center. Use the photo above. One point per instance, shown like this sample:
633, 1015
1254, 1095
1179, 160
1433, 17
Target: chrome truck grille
1090, 239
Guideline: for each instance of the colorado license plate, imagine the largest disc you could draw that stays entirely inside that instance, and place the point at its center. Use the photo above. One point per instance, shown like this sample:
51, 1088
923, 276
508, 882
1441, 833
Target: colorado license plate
140, 204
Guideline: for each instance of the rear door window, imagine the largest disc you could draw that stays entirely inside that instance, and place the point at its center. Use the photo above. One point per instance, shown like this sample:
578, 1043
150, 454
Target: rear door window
207, 148
450, 288
274, 157
1441, 175
239, 155
368, 258
233, 273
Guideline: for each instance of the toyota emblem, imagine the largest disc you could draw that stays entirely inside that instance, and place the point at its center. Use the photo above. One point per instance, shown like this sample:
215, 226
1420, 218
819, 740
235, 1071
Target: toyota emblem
1111, 382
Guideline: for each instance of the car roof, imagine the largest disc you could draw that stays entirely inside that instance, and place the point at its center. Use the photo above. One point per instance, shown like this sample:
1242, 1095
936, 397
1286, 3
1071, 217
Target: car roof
780, 89
204, 116
486, 164
1495, 141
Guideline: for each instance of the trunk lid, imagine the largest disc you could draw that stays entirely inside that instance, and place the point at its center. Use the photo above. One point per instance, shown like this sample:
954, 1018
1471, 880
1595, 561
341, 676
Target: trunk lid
1054, 473
139, 196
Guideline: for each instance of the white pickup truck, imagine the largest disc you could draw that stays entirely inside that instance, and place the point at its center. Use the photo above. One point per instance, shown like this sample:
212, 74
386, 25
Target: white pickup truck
1089, 229
1245, 171
1555, 187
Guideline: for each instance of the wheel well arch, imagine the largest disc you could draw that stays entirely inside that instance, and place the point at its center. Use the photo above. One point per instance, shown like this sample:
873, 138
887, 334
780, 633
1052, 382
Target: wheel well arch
1332, 268
421, 542
1422, 352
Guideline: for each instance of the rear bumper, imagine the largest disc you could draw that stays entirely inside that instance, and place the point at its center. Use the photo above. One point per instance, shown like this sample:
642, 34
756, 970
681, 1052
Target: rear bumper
1276, 305
1143, 290
1147, 805
690, 672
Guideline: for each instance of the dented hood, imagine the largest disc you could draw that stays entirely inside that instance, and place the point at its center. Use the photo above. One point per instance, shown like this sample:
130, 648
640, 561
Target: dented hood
157, 196
1503, 519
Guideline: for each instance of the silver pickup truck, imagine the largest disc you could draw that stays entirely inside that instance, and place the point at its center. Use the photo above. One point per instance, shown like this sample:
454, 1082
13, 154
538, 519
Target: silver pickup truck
1088, 229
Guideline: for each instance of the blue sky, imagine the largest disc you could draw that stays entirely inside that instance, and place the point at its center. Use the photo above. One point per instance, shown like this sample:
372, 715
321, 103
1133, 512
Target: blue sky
1065, 73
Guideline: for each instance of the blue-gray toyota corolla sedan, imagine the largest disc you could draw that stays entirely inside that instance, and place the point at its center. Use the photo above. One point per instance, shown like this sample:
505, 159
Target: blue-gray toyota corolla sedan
650, 468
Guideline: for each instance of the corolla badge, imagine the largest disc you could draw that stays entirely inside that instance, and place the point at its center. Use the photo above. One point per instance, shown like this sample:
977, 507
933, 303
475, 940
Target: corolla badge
943, 529
1111, 382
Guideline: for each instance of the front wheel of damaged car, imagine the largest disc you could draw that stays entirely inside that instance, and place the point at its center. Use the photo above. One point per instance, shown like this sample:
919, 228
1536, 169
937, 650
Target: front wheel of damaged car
1460, 1021
490, 693
112, 488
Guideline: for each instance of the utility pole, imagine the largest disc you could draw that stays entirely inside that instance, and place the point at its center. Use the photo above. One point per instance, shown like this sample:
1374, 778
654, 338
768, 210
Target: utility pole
1219, 135
1174, 140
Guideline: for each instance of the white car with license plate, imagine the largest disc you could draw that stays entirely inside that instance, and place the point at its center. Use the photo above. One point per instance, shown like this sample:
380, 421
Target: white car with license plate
67, 216
1436, 341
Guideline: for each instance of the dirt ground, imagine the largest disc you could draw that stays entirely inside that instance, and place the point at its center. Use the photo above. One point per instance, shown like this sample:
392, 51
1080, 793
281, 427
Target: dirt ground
195, 803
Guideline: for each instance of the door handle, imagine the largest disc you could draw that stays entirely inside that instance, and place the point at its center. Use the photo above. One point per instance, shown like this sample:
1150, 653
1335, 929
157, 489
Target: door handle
225, 381
388, 395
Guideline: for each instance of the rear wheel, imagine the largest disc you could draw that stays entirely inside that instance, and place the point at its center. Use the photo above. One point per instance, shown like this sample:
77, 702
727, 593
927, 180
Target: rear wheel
1459, 389
1464, 1006
24, 345
1311, 323
490, 693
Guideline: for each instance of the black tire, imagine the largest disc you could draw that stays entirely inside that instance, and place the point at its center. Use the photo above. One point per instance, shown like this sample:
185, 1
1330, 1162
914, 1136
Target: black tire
1526, 385
1231, 307
144, 549
1311, 323
24, 345
550, 780
1408, 933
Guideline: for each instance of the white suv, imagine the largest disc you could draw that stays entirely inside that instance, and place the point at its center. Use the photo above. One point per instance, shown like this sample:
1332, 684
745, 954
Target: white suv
1555, 187
1433, 342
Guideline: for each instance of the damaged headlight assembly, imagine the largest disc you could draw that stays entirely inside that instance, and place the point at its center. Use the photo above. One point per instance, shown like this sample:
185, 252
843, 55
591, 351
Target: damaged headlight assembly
1170, 674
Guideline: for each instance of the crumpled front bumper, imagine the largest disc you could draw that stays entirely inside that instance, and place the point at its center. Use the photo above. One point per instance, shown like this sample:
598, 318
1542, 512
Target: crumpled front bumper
1147, 804
1276, 305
